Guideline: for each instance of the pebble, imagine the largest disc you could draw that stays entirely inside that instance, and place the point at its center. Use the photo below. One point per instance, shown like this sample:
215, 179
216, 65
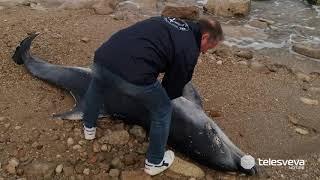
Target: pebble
219, 62
245, 63
37, 145
81, 142
85, 39
7, 125
105, 148
143, 149
138, 132
76, 147
70, 141
315, 89
77, 132
68, 171
84, 155
12, 164
303, 77
24, 158
244, 54
116, 162
302, 131
59, 168
269, 22
55, 137
293, 120
129, 159
20, 172
2, 118
114, 172
86, 171
257, 66
309, 101
96, 147
119, 137
17, 127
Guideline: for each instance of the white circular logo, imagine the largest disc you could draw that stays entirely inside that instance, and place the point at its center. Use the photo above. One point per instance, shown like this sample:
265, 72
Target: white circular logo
177, 23
247, 162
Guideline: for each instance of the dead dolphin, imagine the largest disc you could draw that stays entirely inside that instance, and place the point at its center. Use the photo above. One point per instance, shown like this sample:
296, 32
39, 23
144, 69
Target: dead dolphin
192, 131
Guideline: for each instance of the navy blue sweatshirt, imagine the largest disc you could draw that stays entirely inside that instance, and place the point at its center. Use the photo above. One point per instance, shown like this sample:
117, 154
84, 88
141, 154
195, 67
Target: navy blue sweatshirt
156, 45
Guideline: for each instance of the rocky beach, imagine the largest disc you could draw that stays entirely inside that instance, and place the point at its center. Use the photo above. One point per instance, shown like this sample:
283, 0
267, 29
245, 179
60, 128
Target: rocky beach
263, 91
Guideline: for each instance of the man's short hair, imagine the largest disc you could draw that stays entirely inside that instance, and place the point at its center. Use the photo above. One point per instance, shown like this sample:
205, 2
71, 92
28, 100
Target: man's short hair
212, 27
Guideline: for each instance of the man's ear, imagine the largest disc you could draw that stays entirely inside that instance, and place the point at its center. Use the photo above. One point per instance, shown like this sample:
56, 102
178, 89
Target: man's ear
205, 36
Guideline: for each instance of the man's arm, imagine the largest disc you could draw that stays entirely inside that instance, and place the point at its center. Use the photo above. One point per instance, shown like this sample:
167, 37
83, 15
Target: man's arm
179, 74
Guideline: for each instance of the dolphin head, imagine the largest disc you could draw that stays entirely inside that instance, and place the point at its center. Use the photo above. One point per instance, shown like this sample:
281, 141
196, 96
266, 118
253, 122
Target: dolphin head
200, 137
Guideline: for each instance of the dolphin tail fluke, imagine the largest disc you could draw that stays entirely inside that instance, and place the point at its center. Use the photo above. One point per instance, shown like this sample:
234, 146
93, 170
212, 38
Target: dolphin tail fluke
23, 49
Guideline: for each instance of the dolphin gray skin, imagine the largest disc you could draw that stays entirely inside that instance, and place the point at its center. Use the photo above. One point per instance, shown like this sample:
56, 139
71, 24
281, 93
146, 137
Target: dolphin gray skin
192, 131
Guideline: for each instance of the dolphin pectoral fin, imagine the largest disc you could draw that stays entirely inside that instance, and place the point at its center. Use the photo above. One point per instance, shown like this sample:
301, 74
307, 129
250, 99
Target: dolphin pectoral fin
190, 93
76, 114
70, 115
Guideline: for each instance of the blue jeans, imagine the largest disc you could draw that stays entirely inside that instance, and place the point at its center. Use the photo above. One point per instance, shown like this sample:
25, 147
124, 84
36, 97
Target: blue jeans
153, 97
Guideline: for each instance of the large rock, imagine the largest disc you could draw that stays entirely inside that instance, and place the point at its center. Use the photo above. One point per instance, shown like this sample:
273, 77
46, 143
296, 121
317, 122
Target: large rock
99, 6
185, 168
105, 7
138, 132
134, 175
12, 165
76, 4
147, 4
310, 50
314, 2
119, 137
183, 12
229, 7
40, 169
10, 3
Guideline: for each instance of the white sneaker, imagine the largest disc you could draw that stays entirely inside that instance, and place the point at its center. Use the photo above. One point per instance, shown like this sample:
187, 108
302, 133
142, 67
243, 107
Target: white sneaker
89, 133
154, 169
